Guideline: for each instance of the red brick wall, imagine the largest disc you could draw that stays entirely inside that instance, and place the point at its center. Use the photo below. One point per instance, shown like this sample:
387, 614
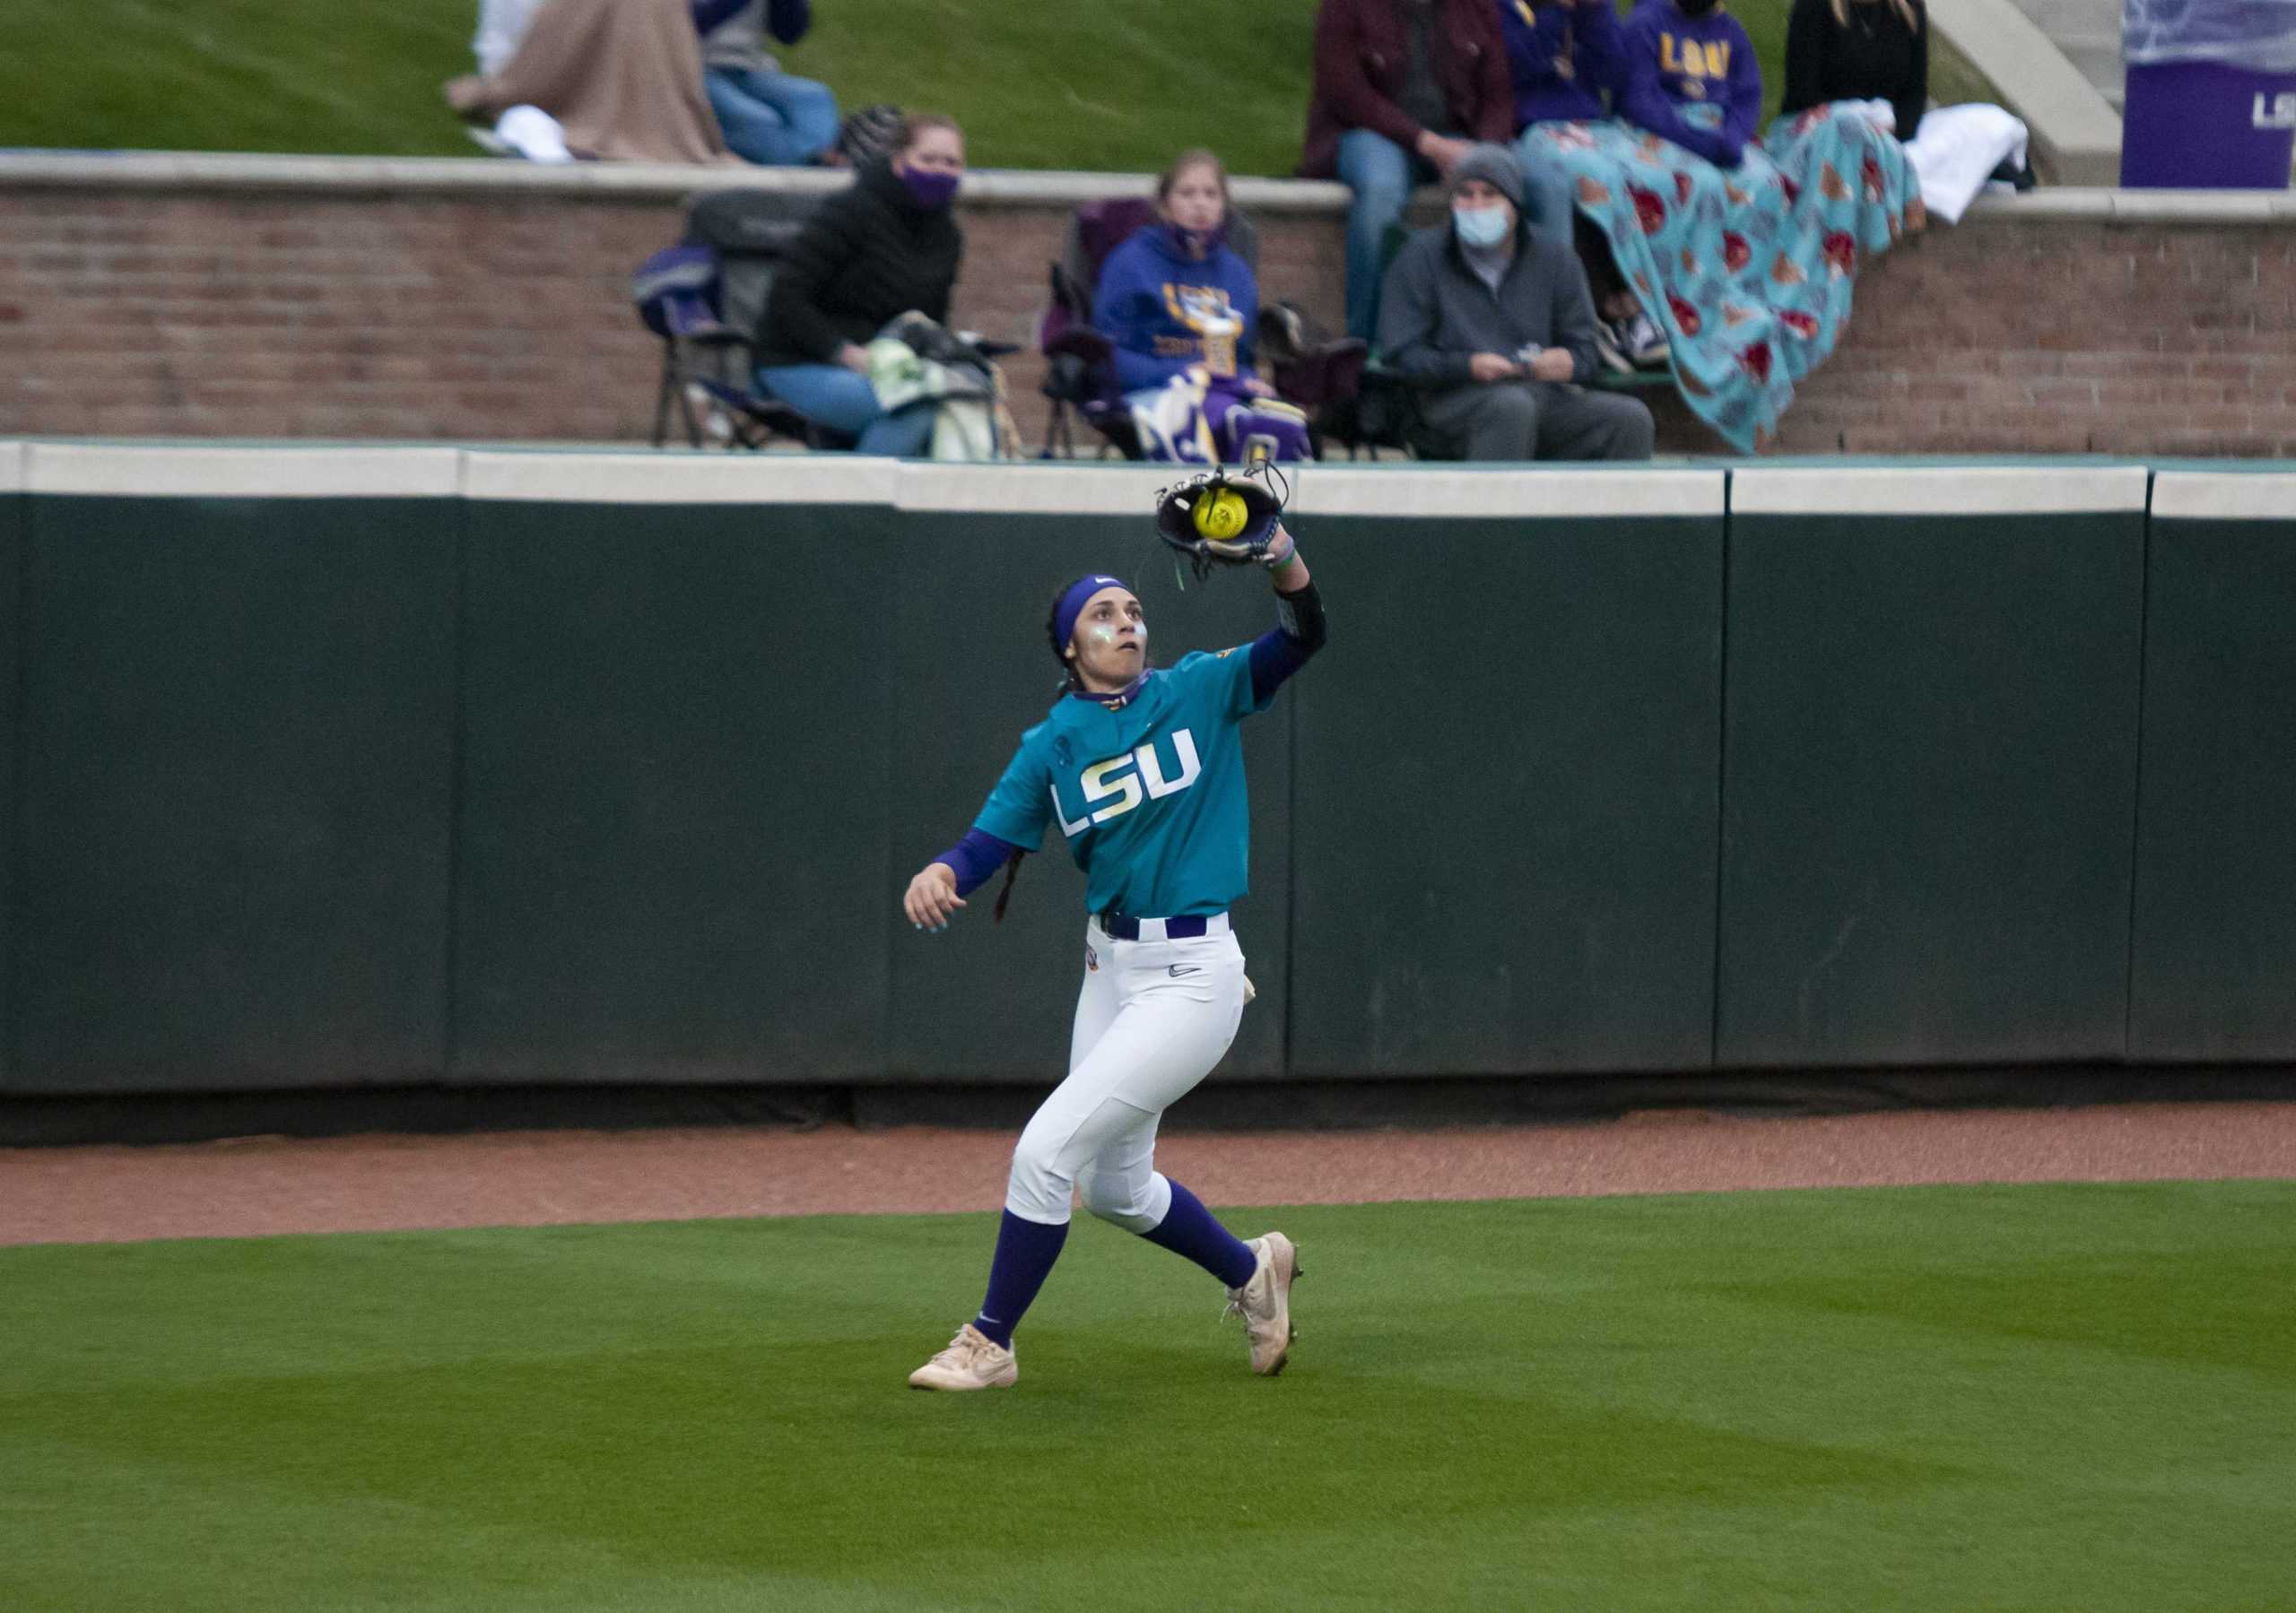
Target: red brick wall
2063, 336
506, 316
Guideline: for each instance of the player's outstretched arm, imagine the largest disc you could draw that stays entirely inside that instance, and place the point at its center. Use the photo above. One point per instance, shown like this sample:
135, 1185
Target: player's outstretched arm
1287, 568
931, 899
1300, 631
941, 885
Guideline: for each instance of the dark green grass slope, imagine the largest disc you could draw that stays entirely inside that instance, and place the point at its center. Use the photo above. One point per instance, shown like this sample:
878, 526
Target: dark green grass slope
2075, 1397
1118, 87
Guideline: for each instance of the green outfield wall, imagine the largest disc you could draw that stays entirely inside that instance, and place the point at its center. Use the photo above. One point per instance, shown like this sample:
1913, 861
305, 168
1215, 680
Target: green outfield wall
11, 571
2213, 967
341, 767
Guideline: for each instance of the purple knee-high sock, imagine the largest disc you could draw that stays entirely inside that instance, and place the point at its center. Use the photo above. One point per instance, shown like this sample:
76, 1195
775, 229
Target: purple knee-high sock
1025, 1251
1188, 1229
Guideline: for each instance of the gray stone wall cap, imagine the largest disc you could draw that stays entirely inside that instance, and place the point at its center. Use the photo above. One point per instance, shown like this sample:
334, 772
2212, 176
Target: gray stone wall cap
638, 181
180, 171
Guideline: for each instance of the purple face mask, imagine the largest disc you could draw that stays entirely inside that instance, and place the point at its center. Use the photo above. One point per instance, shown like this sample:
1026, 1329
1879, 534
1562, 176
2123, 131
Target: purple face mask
930, 190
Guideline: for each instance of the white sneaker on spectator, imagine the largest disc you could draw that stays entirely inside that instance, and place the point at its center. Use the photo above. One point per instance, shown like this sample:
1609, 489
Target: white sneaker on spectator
1644, 342
717, 425
1608, 349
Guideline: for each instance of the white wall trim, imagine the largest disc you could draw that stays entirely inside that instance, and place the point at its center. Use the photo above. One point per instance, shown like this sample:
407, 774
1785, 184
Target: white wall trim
640, 182
1032, 487
12, 467
2206, 496
272, 470
1396, 491
564, 477
1451, 490
1939, 491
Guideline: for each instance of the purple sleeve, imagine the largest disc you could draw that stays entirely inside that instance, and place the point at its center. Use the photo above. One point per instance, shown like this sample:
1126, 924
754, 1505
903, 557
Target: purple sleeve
976, 857
1744, 112
1600, 55
709, 14
1274, 657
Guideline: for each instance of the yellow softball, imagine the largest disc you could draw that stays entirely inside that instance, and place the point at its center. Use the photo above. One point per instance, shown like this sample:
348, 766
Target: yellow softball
1222, 515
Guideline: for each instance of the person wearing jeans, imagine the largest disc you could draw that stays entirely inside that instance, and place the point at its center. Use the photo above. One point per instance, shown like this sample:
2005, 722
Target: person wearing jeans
770, 117
843, 400
1402, 89
882, 247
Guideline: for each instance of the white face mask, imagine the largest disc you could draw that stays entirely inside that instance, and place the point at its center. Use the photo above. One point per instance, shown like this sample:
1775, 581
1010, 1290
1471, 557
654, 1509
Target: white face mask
1480, 226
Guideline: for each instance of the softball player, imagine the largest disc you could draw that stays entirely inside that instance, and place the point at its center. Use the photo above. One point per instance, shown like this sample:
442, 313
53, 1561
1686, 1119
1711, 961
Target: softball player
1142, 769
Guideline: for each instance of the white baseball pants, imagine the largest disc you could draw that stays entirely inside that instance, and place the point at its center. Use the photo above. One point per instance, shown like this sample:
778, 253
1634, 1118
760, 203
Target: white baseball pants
1152, 1020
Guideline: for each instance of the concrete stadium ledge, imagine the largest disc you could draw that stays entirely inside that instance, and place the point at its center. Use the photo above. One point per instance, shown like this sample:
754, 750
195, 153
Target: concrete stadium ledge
1939, 489
2199, 495
289, 470
286, 470
638, 181
2075, 129
352, 177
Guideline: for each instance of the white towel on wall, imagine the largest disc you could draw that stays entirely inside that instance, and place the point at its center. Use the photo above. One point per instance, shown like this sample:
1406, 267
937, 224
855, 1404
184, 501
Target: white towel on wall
1956, 150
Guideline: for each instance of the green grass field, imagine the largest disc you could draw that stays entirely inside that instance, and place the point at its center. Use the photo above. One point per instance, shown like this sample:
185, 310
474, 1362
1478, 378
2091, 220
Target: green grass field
1113, 87
2026, 1397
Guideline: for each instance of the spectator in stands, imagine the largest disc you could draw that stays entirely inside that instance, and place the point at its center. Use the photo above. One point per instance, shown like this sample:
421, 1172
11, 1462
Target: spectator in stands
1744, 253
622, 79
1181, 309
1691, 78
1493, 323
1402, 89
1859, 50
1871, 58
882, 247
769, 117
1566, 59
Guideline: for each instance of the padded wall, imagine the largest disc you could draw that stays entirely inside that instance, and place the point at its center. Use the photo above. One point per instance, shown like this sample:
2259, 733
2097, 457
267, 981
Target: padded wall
237, 721
2213, 972
677, 780
614, 768
11, 521
1929, 765
1505, 802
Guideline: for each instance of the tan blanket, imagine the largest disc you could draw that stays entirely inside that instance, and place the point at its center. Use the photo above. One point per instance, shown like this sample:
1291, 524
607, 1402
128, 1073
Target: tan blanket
622, 76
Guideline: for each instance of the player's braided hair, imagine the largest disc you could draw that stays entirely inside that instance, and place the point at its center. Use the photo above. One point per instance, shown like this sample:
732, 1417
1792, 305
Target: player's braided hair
1069, 679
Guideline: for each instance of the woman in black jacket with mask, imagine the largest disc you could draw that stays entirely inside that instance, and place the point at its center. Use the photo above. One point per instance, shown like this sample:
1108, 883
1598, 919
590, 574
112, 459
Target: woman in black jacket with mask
868, 255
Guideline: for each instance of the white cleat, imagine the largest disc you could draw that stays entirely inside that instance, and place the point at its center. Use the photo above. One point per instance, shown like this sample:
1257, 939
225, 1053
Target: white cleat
973, 1360
1265, 1303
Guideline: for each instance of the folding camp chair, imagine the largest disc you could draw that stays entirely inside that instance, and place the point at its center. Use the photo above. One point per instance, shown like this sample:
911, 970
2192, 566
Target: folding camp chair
704, 297
1080, 362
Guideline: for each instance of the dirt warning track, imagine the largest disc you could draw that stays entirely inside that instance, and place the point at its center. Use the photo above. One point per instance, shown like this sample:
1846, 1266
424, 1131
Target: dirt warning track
262, 1185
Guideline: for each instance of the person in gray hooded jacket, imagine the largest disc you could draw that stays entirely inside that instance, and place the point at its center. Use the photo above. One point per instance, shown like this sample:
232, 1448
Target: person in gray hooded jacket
1494, 325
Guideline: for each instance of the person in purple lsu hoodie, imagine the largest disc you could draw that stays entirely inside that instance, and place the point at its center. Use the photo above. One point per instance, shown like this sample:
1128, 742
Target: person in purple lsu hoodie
1181, 306
1691, 78
1567, 61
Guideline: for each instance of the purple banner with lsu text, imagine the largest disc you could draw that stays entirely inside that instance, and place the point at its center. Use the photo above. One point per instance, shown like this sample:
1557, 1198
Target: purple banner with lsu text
2210, 94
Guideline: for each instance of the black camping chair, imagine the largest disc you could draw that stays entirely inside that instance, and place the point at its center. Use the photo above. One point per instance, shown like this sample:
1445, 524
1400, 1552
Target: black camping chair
1383, 411
704, 297
1080, 362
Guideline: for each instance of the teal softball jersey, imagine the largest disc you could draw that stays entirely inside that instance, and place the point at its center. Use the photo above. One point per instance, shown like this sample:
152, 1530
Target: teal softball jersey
1149, 794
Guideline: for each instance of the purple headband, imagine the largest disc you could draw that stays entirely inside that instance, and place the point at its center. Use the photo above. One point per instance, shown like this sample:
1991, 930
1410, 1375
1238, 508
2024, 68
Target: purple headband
1072, 602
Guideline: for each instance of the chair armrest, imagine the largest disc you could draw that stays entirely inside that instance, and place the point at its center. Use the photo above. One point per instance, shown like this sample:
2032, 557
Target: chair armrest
1084, 343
